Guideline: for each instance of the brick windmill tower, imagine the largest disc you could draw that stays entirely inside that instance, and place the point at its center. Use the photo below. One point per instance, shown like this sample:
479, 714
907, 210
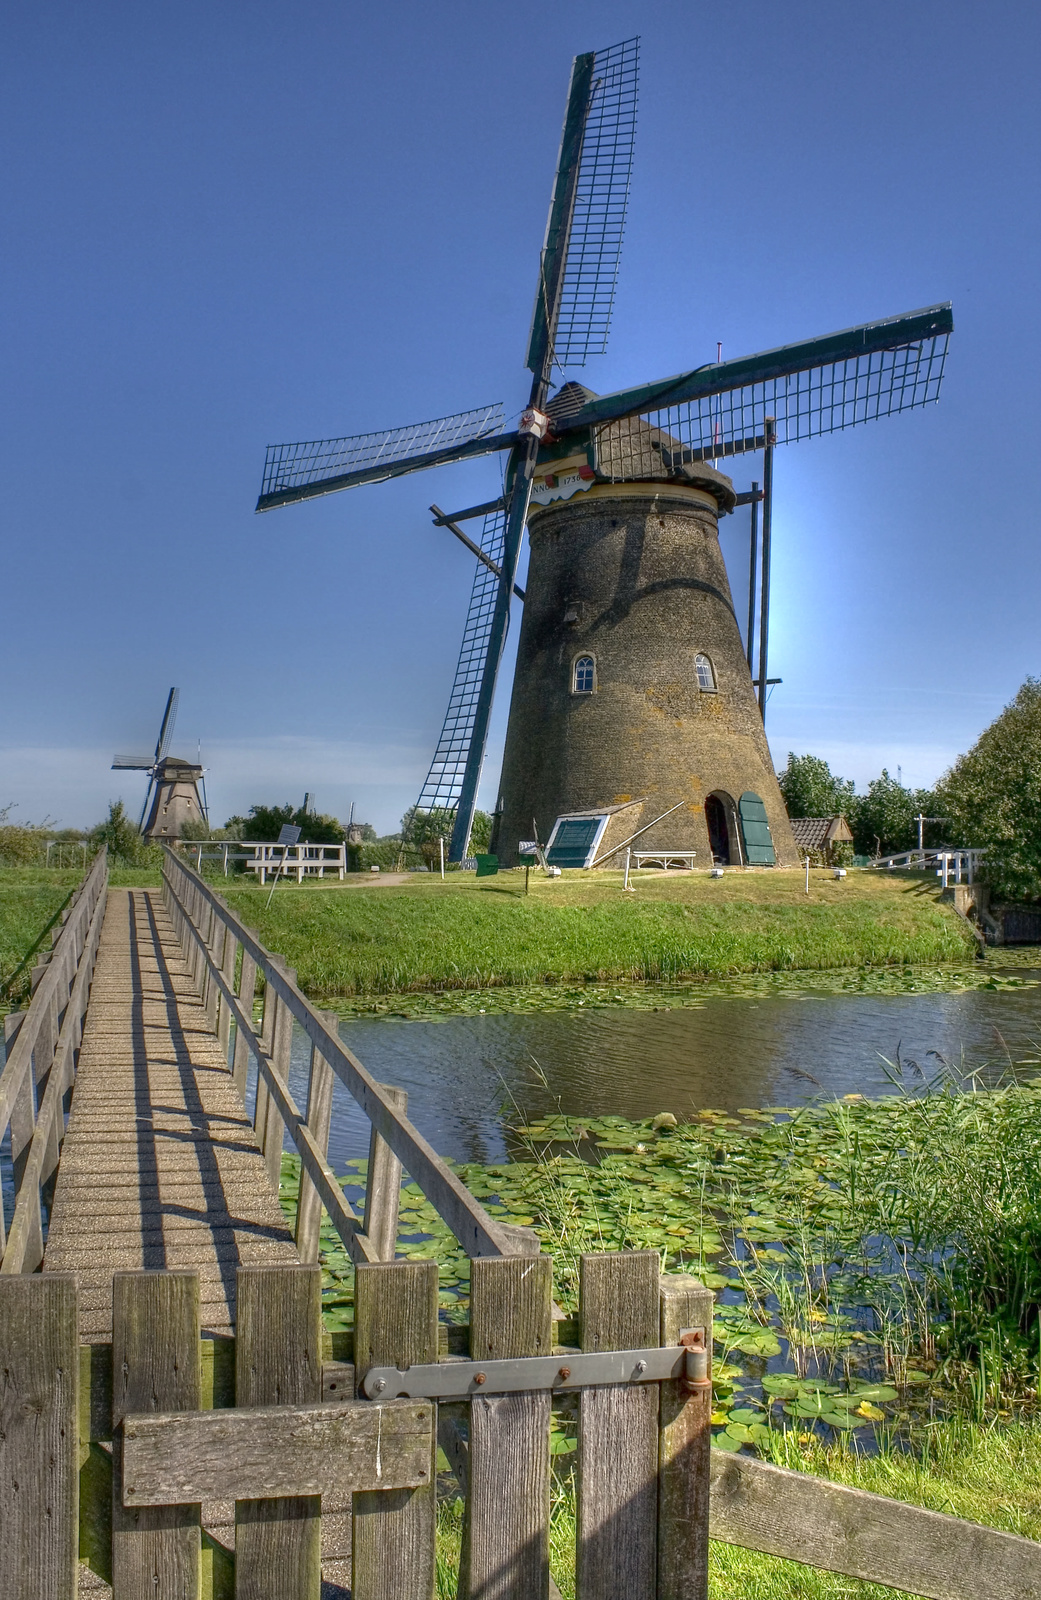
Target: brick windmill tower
633, 694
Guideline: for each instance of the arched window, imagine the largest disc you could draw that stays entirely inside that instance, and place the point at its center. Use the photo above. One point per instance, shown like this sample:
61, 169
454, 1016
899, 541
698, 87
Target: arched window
706, 676
583, 676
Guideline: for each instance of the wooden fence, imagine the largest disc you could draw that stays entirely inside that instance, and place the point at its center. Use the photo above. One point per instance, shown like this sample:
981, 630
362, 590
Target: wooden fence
200, 1469
41, 1062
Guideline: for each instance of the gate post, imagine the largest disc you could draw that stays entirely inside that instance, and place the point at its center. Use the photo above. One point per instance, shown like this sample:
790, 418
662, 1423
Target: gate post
684, 1445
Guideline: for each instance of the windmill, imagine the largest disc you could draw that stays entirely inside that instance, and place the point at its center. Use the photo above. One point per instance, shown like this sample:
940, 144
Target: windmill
175, 782
660, 436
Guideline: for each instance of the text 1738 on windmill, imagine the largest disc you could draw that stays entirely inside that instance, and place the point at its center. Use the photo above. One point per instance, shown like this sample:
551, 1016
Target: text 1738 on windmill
633, 694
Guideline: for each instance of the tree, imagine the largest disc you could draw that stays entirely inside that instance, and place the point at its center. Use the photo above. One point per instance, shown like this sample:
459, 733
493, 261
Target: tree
120, 833
263, 824
884, 820
423, 831
811, 789
992, 796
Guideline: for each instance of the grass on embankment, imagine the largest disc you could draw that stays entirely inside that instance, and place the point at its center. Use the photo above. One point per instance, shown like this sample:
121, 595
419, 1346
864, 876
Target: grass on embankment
29, 897
467, 933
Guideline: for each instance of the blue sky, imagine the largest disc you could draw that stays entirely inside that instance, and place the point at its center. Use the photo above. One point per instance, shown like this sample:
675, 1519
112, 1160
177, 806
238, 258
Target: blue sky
235, 224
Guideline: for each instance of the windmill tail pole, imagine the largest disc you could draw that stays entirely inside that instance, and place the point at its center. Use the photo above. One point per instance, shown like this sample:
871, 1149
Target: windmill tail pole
764, 605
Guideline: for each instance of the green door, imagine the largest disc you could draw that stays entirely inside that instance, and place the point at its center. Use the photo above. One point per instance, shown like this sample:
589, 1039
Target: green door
574, 841
755, 831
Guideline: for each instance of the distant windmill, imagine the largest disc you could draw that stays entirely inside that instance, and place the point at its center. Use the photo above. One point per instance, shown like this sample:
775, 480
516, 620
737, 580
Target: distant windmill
175, 782
587, 450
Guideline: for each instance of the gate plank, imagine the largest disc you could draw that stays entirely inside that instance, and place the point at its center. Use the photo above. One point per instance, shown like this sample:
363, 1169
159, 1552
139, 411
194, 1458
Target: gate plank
684, 1440
867, 1536
506, 1533
395, 1324
278, 1361
155, 1365
274, 1451
618, 1433
39, 1436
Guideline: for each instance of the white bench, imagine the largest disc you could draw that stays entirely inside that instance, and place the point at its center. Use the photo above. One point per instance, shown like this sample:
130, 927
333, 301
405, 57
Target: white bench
667, 860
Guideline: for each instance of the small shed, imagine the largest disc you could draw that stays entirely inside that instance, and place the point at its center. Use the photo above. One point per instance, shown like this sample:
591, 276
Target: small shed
820, 838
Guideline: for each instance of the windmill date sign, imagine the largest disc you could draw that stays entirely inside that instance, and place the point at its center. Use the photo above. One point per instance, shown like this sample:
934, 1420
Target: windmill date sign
633, 686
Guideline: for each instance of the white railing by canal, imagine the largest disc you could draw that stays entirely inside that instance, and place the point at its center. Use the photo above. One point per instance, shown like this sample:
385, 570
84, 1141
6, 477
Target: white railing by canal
952, 866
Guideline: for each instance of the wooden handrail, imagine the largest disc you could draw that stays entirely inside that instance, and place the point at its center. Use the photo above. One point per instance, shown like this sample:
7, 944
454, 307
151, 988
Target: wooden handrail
477, 1232
43, 1052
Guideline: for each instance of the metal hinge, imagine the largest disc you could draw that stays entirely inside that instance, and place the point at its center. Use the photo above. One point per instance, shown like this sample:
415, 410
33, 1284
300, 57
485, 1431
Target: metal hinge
461, 1380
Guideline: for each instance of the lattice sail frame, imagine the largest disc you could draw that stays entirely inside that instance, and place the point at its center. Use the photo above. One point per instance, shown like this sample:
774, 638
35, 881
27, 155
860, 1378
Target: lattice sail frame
445, 777
601, 200
295, 466
804, 405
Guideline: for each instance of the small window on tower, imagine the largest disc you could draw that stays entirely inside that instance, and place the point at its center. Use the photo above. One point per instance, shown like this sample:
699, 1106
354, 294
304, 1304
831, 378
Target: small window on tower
706, 676
584, 674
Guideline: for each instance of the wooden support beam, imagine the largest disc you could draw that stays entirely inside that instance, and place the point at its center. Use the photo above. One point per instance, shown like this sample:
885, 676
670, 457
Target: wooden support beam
155, 1364
383, 1186
278, 1362
683, 1451
273, 1452
506, 1531
395, 1323
39, 1437
618, 1433
867, 1536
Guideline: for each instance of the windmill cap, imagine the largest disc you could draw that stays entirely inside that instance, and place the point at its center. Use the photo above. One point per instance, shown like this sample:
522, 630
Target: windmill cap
173, 767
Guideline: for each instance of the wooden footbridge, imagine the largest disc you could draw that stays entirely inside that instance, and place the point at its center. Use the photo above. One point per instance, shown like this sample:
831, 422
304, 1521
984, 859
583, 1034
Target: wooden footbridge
175, 1424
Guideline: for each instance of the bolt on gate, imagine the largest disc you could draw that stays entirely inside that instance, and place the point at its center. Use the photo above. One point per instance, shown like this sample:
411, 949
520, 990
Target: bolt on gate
180, 1464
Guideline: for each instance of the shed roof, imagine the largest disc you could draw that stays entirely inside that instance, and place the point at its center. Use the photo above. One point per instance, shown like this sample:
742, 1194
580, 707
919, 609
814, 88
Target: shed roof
814, 833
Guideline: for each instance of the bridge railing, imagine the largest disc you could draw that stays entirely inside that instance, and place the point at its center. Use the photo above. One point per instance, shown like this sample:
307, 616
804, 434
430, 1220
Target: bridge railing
42, 1045
952, 866
225, 958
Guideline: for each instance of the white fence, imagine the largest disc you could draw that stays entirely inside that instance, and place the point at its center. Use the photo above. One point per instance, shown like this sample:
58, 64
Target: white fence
297, 861
951, 866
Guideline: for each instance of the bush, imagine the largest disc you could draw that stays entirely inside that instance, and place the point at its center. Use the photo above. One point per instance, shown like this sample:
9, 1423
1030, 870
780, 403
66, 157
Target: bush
124, 839
263, 824
993, 797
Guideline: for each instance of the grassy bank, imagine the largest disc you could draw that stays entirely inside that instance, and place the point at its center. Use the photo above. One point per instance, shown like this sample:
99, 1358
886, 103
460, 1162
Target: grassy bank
29, 897
477, 934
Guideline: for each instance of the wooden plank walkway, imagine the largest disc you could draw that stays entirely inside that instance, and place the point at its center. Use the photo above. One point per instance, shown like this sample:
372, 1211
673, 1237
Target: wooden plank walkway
160, 1167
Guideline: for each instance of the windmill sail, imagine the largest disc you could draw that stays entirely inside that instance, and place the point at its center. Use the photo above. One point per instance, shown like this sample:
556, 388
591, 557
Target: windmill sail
445, 778
812, 388
302, 471
594, 245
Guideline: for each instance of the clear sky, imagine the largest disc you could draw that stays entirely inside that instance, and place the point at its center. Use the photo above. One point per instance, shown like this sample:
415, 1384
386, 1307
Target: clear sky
234, 224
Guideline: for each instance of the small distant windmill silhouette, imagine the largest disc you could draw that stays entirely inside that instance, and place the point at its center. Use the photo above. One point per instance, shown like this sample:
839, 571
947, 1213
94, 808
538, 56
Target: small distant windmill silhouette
652, 431
175, 782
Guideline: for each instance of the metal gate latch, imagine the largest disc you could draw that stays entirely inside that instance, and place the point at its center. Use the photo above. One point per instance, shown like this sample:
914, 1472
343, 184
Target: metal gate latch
461, 1380
695, 1376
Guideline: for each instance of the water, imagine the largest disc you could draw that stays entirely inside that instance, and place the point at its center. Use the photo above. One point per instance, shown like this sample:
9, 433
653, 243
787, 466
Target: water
461, 1072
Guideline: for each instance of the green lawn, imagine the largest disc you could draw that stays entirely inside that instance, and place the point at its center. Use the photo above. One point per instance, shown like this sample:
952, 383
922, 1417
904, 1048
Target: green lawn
467, 933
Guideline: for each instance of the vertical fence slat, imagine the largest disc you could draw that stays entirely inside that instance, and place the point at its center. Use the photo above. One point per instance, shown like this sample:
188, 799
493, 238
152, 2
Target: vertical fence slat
273, 1130
246, 993
618, 1433
506, 1531
683, 1465
319, 1119
155, 1367
383, 1185
278, 1361
39, 1437
395, 1324
231, 946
